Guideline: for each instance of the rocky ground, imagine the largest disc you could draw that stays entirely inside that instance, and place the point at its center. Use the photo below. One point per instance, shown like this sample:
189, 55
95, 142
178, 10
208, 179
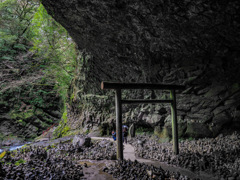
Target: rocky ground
128, 169
65, 161
218, 156
86, 158
56, 161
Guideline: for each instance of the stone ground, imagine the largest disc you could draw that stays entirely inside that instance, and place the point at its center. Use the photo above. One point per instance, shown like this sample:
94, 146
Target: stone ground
128, 153
93, 169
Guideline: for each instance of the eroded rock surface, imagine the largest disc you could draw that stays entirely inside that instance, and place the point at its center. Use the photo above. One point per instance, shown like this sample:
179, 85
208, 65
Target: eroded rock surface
195, 43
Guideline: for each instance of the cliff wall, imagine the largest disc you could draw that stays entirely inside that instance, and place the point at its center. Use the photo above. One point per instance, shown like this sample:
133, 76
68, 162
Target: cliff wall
195, 43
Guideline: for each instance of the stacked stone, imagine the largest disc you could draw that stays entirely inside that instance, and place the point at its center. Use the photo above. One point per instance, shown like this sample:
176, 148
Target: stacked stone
39, 166
218, 156
135, 170
54, 162
61, 162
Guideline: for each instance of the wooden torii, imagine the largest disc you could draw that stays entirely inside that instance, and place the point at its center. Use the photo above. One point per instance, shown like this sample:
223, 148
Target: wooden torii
118, 105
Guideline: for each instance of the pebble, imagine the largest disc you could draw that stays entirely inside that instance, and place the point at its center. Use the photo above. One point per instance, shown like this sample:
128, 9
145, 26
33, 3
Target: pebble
219, 156
132, 170
54, 162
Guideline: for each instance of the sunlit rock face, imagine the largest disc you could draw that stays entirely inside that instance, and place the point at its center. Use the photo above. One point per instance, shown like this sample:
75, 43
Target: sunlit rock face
195, 43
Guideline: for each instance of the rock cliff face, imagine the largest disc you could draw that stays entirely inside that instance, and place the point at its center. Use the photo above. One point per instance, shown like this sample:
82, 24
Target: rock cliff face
29, 104
195, 43
26, 111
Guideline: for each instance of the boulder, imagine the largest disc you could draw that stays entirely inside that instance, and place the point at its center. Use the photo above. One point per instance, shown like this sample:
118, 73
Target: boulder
81, 141
104, 143
154, 119
219, 122
198, 130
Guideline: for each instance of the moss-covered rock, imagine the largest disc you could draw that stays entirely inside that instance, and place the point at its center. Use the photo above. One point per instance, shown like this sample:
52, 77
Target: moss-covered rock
23, 110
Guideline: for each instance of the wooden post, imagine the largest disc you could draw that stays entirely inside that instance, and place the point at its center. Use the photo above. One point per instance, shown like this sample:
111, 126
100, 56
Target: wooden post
119, 102
174, 122
119, 124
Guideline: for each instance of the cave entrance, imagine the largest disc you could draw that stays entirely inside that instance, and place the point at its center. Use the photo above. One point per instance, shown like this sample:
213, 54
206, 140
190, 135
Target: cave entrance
119, 101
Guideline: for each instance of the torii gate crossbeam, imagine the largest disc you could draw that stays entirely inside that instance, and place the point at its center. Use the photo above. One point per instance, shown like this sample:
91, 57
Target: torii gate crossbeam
118, 105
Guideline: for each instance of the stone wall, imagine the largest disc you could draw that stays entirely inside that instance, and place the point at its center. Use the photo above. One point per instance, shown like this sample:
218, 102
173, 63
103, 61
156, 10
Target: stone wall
195, 43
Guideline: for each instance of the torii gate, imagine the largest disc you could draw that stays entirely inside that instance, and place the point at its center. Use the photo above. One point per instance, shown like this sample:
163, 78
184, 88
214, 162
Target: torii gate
118, 103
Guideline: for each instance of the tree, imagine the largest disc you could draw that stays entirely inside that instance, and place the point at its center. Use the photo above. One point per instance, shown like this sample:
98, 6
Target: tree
16, 17
56, 49
37, 63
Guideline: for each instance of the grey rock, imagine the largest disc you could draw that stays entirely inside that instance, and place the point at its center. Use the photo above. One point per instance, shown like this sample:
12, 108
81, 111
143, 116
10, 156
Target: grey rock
132, 130
198, 130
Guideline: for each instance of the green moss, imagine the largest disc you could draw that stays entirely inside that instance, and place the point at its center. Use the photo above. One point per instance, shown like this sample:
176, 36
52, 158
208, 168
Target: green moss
87, 131
44, 125
38, 111
72, 97
65, 130
2, 154
163, 135
26, 145
61, 130
49, 121
22, 122
144, 130
64, 116
21, 115
1, 136
21, 161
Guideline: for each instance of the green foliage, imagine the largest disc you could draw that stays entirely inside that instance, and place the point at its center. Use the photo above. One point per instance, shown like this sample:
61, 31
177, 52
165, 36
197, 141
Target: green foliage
2, 154
38, 97
34, 45
56, 49
190, 139
19, 115
1, 137
21, 161
87, 131
22, 122
26, 25
14, 26
144, 130
63, 128
72, 97
64, 116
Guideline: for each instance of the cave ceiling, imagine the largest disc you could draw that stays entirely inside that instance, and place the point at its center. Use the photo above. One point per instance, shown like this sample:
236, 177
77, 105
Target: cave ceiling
148, 33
